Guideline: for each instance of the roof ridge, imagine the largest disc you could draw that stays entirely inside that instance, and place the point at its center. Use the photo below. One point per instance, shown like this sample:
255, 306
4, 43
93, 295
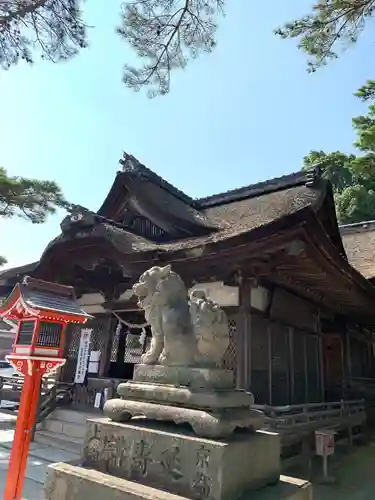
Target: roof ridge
131, 165
252, 190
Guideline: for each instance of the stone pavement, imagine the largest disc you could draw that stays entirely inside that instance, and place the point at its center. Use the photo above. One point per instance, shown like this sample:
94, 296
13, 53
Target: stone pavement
355, 475
354, 470
40, 456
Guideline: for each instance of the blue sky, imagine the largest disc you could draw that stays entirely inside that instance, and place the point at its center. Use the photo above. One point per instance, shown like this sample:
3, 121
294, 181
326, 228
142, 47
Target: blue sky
246, 113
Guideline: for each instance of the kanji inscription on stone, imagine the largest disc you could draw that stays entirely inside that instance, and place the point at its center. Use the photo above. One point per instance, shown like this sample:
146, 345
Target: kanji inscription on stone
171, 462
201, 484
140, 457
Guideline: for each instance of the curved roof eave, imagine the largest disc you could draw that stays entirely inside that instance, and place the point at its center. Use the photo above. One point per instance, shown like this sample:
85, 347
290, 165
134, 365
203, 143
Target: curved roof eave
116, 190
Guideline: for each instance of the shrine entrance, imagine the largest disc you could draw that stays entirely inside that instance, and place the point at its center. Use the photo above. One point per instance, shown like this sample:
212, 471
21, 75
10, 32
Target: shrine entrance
129, 342
116, 344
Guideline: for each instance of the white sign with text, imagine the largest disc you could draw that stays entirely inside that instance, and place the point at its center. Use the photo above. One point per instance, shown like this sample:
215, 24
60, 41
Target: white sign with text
83, 356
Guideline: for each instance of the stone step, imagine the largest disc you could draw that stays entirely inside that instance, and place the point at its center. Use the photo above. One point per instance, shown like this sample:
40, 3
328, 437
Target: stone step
60, 441
72, 416
68, 429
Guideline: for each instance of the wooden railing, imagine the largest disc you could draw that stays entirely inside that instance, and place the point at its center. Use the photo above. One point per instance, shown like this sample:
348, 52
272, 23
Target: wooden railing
11, 388
297, 420
52, 395
10, 392
297, 424
83, 397
362, 387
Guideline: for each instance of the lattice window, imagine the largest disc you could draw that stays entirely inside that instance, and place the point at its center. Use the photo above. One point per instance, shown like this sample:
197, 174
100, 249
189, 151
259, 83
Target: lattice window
229, 360
99, 334
73, 334
115, 344
26, 333
136, 345
133, 348
49, 334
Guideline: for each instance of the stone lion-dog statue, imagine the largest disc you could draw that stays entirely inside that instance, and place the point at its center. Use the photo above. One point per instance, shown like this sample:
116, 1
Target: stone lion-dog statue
186, 331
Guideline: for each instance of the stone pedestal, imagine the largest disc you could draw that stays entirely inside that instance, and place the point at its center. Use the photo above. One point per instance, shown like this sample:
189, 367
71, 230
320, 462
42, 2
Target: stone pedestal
205, 398
175, 460
144, 461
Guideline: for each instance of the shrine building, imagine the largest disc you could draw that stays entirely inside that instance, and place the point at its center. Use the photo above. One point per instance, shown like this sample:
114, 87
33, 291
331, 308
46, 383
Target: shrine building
301, 314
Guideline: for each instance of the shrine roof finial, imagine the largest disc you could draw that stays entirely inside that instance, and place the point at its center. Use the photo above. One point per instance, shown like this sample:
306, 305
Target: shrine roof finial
132, 166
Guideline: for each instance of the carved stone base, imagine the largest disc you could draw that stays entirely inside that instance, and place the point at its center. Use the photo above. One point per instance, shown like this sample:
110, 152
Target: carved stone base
207, 401
204, 399
161, 456
214, 425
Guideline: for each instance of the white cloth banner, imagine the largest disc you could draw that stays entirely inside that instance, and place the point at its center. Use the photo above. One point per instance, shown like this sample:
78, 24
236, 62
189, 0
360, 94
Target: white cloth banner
83, 356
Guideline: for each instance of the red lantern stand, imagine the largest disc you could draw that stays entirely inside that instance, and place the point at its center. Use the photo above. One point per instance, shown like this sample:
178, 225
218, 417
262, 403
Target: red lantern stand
43, 311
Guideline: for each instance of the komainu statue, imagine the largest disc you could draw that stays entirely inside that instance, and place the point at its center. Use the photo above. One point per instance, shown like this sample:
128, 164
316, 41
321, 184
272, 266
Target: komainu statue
186, 331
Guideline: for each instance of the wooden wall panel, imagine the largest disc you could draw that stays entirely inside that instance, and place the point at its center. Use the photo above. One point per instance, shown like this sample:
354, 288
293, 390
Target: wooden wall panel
280, 365
260, 359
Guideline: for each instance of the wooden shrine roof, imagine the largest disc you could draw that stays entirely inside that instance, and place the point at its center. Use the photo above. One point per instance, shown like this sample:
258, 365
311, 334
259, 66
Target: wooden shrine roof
221, 218
17, 272
359, 243
283, 230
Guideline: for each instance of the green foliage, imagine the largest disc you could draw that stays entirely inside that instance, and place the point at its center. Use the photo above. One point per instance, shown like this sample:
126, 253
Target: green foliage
165, 34
353, 176
331, 25
52, 27
354, 195
29, 199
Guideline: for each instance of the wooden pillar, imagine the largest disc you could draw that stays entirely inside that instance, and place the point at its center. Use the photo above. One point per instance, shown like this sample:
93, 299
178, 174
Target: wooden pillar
347, 359
243, 336
269, 344
305, 365
67, 341
106, 353
291, 364
321, 366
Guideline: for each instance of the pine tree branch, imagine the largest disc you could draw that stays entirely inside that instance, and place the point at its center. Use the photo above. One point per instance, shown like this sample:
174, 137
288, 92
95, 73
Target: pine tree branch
23, 10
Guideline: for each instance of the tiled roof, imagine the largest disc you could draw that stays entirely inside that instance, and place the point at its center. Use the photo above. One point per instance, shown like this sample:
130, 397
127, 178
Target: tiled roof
359, 244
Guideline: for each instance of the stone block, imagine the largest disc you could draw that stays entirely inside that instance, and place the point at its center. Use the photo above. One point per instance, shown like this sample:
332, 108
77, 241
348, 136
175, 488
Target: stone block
167, 457
183, 376
65, 482
203, 399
